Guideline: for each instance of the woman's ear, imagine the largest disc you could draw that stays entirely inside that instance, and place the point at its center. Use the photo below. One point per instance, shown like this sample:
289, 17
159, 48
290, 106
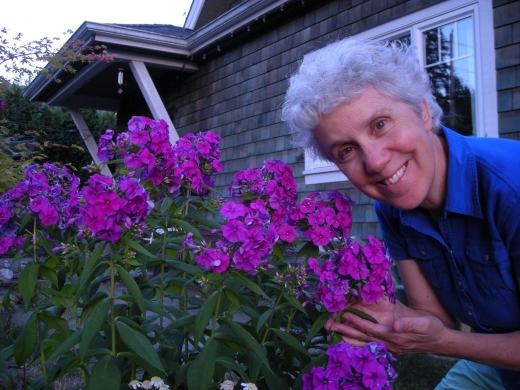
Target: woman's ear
426, 116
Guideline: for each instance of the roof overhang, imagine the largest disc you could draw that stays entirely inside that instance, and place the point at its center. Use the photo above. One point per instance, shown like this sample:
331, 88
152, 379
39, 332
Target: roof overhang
94, 85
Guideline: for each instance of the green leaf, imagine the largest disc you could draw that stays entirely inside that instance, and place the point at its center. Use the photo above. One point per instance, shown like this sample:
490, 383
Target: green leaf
49, 274
308, 249
132, 287
45, 244
25, 343
361, 314
206, 222
201, 371
296, 303
55, 322
105, 374
232, 296
138, 248
92, 260
204, 314
27, 280
247, 340
165, 204
182, 374
187, 228
151, 370
263, 318
251, 285
93, 325
139, 344
274, 381
290, 341
317, 326
65, 346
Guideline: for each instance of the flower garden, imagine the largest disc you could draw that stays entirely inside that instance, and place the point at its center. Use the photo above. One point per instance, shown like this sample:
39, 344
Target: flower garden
152, 279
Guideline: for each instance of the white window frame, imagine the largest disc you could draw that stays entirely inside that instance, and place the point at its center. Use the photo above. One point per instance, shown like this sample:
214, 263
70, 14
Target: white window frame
486, 118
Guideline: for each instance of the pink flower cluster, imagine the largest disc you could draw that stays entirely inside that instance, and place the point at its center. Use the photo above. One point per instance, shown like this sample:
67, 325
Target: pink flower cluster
255, 219
353, 368
353, 271
146, 147
3, 104
199, 159
109, 207
322, 220
50, 193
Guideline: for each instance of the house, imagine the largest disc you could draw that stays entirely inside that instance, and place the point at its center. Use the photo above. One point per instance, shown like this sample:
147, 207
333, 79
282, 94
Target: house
226, 70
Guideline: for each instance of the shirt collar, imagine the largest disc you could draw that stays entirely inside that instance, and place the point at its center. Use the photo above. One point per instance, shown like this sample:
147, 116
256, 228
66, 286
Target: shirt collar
462, 192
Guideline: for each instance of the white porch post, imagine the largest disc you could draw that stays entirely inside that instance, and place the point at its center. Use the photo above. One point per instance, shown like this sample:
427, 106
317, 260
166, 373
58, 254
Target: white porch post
89, 140
152, 97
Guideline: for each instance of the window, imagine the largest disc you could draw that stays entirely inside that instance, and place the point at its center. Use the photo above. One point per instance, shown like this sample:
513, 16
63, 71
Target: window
450, 39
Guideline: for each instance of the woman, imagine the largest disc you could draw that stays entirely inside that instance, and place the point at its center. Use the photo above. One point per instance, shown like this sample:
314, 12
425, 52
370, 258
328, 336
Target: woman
448, 207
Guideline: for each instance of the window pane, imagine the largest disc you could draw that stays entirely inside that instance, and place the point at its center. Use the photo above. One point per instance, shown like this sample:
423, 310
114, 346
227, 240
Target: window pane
431, 46
450, 62
454, 88
447, 41
465, 37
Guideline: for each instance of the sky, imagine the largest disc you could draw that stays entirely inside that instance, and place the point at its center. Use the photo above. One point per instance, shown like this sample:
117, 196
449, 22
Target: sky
51, 18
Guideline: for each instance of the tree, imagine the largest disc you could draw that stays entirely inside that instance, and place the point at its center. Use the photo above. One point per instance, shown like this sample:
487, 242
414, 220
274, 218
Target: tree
32, 131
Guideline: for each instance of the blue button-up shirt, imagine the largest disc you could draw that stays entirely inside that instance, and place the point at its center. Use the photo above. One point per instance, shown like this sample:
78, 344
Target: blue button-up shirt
471, 255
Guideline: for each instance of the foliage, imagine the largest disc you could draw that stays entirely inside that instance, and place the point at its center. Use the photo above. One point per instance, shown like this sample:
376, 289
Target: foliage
30, 132
152, 278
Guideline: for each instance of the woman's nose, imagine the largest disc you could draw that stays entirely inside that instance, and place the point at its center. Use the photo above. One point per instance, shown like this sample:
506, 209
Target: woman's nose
375, 159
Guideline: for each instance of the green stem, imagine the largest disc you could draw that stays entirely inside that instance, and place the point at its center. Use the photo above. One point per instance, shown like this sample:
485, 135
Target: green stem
40, 341
217, 308
271, 317
163, 252
112, 303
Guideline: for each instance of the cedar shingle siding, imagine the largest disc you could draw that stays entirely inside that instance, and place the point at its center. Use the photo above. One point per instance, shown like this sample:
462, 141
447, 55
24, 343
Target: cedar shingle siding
506, 20
238, 93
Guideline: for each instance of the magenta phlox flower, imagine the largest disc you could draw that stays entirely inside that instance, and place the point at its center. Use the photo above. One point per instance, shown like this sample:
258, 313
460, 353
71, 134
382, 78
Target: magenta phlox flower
48, 215
320, 220
287, 232
38, 203
108, 202
371, 292
5, 244
140, 137
354, 368
321, 379
333, 302
105, 151
235, 231
146, 157
346, 271
133, 161
199, 156
111, 206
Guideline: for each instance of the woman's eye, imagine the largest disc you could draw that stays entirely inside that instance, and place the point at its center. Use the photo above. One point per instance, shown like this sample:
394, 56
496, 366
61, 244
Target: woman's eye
380, 125
345, 152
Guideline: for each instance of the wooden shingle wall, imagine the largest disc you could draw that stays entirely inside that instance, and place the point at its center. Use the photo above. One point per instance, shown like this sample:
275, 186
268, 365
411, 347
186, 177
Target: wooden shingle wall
238, 94
506, 20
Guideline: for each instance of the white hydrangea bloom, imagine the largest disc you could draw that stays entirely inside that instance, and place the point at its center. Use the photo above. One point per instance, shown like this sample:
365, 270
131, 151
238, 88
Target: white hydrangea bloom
249, 386
134, 384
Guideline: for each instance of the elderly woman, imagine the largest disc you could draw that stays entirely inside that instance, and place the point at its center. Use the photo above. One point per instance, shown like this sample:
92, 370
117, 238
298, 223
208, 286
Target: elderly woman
448, 207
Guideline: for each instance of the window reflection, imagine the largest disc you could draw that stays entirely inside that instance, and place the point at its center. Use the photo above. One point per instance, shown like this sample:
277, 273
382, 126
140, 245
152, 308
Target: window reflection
450, 62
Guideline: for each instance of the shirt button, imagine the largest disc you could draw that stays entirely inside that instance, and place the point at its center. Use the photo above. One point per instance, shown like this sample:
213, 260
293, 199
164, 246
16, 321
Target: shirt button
459, 283
470, 313
486, 258
423, 253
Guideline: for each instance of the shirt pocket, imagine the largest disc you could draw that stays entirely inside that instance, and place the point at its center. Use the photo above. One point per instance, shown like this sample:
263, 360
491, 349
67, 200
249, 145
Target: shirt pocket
491, 267
431, 259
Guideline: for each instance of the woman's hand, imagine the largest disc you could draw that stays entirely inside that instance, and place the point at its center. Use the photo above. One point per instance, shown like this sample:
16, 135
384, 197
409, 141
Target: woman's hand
414, 334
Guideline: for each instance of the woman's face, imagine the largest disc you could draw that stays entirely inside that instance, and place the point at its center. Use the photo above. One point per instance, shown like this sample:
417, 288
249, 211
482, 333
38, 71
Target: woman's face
387, 150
